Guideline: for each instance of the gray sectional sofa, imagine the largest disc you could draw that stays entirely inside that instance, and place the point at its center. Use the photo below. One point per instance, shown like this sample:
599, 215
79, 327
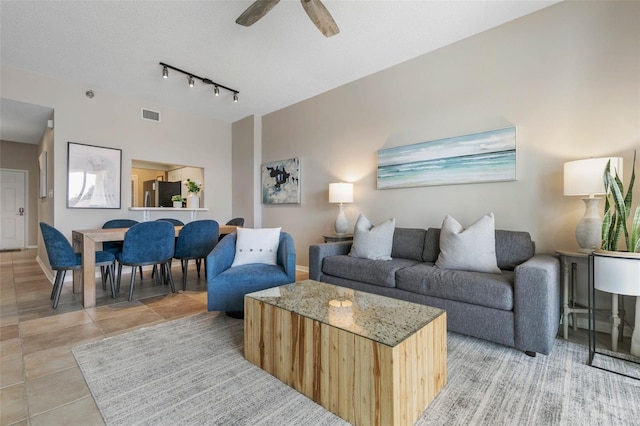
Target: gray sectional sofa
519, 308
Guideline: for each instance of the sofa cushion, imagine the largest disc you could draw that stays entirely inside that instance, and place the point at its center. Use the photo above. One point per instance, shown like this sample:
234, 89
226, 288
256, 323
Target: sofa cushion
478, 288
431, 245
366, 270
372, 242
408, 243
470, 249
512, 247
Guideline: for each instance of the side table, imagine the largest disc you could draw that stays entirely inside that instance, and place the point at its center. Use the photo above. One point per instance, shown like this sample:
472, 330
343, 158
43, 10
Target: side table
335, 238
568, 262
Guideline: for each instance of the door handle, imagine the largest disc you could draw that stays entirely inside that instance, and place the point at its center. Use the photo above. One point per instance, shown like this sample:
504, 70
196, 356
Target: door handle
21, 211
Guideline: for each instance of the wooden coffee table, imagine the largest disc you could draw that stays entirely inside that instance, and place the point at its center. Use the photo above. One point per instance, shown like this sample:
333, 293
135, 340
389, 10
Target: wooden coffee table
367, 358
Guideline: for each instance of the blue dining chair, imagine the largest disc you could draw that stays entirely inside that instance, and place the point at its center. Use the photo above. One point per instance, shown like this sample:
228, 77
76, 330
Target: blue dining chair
147, 243
236, 221
116, 246
195, 241
175, 222
62, 258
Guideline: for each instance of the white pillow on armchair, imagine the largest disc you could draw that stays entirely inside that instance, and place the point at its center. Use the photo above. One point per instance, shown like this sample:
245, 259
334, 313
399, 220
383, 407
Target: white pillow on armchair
256, 246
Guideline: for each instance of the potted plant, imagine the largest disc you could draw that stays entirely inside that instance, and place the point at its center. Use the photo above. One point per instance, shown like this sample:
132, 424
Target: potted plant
617, 271
617, 209
177, 201
194, 187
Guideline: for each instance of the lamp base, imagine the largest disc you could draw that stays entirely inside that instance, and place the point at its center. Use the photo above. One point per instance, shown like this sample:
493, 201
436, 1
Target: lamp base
589, 229
341, 224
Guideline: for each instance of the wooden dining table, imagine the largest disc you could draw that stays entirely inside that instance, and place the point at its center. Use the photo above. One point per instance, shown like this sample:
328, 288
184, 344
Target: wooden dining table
86, 242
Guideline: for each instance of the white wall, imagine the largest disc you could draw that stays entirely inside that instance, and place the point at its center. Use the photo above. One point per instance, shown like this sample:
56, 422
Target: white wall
113, 121
566, 76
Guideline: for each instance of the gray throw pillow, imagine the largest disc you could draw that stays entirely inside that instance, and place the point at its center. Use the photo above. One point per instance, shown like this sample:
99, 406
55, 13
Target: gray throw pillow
471, 249
372, 242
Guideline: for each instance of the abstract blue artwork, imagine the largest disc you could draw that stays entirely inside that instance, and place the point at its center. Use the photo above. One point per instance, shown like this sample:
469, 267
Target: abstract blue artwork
479, 157
281, 182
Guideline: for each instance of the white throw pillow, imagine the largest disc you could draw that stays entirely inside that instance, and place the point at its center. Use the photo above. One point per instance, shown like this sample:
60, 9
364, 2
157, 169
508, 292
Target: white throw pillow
372, 242
471, 249
256, 246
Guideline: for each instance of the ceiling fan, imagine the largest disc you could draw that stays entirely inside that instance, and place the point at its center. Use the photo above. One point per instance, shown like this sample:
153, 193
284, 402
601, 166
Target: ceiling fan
314, 8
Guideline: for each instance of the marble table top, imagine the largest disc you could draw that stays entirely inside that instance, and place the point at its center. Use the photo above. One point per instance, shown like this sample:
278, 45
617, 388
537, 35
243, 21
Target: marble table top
385, 320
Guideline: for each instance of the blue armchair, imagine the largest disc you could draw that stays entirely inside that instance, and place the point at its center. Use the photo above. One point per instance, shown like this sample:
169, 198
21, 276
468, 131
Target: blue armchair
227, 286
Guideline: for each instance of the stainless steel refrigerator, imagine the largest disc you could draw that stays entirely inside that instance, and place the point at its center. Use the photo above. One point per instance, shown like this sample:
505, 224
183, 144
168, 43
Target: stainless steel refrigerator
158, 193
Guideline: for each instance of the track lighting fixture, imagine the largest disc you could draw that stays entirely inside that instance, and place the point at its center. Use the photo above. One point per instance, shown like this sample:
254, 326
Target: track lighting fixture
204, 80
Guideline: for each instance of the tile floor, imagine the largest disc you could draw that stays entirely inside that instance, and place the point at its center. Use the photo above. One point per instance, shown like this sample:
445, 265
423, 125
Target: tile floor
40, 382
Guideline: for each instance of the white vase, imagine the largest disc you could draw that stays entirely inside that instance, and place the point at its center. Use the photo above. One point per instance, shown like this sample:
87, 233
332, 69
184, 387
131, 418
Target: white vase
177, 204
193, 201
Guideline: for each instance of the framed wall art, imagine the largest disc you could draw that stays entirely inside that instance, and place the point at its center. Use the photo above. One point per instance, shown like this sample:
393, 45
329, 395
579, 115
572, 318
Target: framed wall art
93, 176
281, 182
480, 157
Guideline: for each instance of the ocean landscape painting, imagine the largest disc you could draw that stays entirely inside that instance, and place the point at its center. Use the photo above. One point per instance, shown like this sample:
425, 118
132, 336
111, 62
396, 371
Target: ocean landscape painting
480, 157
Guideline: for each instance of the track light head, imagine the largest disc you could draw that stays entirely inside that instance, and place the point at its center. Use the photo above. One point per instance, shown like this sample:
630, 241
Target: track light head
235, 97
216, 90
165, 72
191, 81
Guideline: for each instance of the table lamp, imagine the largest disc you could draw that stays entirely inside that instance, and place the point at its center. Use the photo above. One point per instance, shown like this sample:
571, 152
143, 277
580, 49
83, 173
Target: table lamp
585, 177
341, 193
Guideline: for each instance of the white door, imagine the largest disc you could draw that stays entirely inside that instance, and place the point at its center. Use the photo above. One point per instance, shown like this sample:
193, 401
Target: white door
12, 209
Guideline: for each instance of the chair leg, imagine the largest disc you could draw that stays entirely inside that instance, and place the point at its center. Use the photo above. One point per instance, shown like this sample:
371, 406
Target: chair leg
104, 278
170, 277
119, 277
133, 280
111, 280
198, 267
185, 268
58, 287
140, 268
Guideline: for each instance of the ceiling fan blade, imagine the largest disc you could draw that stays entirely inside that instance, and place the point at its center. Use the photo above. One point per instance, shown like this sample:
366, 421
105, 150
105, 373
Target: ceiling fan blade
256, 11
320, 17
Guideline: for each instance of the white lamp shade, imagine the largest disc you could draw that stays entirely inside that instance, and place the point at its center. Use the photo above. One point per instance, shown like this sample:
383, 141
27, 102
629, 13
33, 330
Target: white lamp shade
341, 192
584, 177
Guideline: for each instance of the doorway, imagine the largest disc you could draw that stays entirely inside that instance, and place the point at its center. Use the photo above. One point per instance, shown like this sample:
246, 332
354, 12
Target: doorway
13, 210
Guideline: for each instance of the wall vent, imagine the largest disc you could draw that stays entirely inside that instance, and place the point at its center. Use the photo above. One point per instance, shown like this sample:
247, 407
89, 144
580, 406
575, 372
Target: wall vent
148, 114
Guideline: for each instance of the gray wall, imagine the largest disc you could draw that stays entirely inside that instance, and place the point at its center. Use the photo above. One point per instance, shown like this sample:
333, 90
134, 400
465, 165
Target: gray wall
566, 76
243, 159
111, 120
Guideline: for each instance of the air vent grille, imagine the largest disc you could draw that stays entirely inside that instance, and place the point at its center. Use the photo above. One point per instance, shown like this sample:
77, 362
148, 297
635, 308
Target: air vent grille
148, 114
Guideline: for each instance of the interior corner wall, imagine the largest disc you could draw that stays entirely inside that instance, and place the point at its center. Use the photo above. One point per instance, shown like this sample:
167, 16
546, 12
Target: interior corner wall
114, 121
24, 156
565, 76
243, 170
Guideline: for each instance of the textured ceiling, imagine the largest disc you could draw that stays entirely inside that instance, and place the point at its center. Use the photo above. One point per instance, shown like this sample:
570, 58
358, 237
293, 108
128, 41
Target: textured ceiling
115, 46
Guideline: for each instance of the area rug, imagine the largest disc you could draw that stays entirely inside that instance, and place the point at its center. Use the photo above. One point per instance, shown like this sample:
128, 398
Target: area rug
191, 372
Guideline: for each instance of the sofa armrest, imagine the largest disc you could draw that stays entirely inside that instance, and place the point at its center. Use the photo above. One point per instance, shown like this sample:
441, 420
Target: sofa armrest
318, 252
221, 257
537, 303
